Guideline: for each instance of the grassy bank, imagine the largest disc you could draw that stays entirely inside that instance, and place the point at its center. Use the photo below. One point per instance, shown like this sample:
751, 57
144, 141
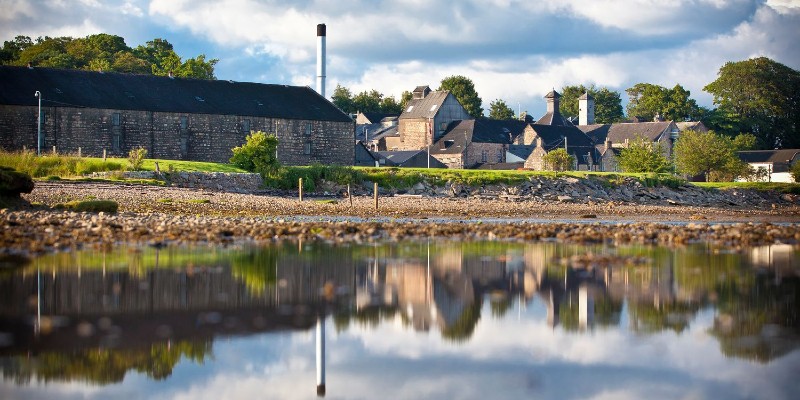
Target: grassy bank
780, 187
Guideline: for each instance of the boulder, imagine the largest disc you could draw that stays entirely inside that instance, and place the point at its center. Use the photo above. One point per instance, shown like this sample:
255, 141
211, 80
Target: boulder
14, 183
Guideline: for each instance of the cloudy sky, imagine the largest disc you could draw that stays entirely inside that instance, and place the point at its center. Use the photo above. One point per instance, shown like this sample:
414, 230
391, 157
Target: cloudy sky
515, 50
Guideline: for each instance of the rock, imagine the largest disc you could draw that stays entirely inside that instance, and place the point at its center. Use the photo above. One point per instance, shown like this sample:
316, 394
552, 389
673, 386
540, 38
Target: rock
14, 183
565, 198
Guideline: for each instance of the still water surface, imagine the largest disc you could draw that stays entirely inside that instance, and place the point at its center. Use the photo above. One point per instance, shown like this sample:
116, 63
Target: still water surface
412, 320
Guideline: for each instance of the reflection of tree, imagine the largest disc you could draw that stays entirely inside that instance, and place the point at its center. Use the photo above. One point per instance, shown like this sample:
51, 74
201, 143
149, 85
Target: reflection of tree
461, 330
759, 322
366, 317
256, 268
500, 305
607, 311
673, 315
104, 366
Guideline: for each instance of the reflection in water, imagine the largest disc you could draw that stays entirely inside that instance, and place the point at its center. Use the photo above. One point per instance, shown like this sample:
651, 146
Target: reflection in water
94, 317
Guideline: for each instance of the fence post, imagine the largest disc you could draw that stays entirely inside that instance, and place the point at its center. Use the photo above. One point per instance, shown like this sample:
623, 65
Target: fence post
376, 195
79, 152
54, 150
104, 155
349, 196
300, 187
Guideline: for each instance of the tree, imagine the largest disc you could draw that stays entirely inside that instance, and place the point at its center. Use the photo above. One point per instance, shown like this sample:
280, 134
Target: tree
257, 154
390, 106
498, 109
642, 155
464, 90
558, 160
343, 99
368, 101
647, 100
405, 97
607, 103
762, 97
707, 153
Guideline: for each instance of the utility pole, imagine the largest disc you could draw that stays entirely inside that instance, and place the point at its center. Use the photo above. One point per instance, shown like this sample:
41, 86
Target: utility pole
38, 94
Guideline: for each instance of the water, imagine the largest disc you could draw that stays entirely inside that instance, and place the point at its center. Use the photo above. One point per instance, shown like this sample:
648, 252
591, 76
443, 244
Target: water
413, 320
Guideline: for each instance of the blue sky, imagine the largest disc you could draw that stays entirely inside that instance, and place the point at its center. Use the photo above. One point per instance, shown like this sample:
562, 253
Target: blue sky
515, 50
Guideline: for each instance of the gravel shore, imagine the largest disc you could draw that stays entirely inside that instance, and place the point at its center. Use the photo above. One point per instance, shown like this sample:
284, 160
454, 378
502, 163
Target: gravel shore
167, 215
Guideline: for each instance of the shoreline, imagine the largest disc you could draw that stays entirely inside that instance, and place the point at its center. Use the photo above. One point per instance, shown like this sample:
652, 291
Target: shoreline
161, 216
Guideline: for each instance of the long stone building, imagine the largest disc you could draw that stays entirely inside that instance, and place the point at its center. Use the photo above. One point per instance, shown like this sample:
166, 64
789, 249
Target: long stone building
173, 118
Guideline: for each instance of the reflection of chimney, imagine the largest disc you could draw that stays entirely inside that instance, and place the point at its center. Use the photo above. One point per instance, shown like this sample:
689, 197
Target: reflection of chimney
320, 357
321, 59
585, 307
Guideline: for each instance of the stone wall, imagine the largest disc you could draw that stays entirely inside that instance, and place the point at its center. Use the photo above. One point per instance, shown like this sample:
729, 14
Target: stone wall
414, 134
495, 153
175, 136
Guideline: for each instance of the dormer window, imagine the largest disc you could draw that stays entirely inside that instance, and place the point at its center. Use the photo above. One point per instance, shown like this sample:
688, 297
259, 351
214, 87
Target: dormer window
433, 107
409, 108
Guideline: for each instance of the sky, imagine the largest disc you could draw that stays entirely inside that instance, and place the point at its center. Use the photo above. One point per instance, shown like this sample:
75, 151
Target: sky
514, 50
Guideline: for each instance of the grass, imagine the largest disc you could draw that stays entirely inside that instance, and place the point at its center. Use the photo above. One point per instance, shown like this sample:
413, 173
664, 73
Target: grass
780, 187
189, 166
109, 206
198, 201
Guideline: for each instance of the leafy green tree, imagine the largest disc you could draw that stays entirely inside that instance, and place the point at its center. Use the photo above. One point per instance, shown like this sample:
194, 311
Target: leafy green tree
647, 100
642, 155
368, 101
607, 103
558, 160
795, 171
11, 49
498, 109
257, 154
390, 106
744, 141
405, 97
343, 99
761, 97
708, 154
464, 90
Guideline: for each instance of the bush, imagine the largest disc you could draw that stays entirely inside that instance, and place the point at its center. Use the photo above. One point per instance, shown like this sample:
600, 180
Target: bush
257, 154
795, 171
136, 158
558, 160
643, 155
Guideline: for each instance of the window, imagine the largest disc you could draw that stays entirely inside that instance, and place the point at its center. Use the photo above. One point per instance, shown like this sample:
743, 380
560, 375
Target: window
308, 128
115, 119
484, 156
409, 108
246, 126
184, 123
433, 107
500, 155
307, 148
115, 142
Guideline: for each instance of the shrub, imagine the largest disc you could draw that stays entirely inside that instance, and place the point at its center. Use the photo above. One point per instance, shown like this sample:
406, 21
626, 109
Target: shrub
257, 154
643, 155
13, 183
795, 171
558, 160
136, 158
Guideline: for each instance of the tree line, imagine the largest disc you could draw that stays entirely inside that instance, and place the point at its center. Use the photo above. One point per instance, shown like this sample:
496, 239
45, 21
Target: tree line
758, 97
104, 52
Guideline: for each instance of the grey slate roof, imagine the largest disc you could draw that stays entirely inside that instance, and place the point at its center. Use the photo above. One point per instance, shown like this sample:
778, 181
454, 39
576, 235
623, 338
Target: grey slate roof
375, 118
425, 108
482, 130
617, 133
784, 156
116, 91
521, 150
554, 118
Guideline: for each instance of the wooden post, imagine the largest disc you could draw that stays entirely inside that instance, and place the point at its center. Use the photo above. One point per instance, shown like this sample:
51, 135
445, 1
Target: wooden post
158, 170
104, 155
54, 150
349, 195
79, 152
300, 187
376, 195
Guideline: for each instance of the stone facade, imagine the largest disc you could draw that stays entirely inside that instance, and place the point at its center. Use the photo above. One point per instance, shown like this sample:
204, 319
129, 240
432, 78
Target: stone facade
179, 136
536, 160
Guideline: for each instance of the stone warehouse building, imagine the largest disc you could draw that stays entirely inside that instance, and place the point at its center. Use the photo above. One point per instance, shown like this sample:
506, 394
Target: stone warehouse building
173, 118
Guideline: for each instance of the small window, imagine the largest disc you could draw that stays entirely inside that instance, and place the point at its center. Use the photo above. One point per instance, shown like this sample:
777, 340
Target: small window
409, 108
246, 126
115, 119
484, 156
499, 156
308, 128
115, 143
433, 107
443, 126
184, 123
307, 148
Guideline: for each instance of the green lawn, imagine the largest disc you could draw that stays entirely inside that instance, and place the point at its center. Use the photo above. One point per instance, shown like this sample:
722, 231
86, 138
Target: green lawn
188, 166
780, 187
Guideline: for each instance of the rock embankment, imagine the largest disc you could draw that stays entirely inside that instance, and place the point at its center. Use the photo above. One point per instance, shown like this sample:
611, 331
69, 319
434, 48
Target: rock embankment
33, 232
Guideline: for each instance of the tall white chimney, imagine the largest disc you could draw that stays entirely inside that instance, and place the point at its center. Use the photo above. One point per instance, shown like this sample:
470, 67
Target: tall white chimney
321, 59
